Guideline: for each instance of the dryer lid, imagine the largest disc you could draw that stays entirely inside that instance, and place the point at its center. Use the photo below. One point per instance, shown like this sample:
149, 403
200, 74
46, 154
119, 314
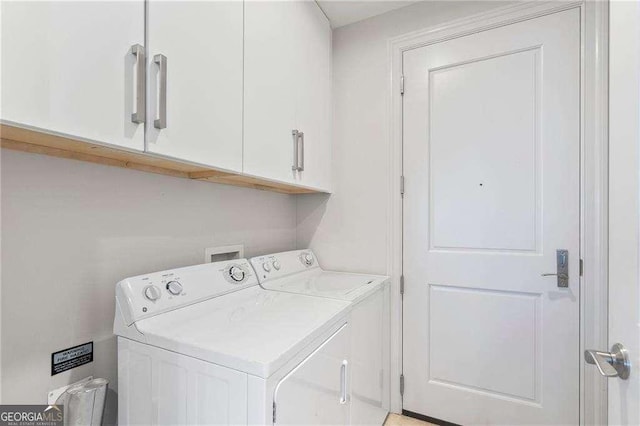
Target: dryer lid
335, 285
298, 272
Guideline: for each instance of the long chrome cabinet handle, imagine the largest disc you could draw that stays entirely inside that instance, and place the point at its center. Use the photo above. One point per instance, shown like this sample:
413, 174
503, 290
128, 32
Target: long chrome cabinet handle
161, 121
343, 382
301, 151
294, 134
139, 115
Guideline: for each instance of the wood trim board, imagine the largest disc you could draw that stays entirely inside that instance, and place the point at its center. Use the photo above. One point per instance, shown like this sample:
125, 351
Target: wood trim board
27, 140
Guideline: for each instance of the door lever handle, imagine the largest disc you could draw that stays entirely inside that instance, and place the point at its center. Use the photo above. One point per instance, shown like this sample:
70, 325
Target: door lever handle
563, 276
610, 364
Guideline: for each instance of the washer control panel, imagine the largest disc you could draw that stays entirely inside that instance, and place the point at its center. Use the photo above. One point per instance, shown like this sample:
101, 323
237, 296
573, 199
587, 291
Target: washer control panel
147, 295
279, 265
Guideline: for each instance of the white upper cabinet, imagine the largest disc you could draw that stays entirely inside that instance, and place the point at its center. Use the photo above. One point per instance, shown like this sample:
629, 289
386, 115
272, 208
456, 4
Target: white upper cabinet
313, 94
287, 87
67, 68
269, 89
237, 86
194, 86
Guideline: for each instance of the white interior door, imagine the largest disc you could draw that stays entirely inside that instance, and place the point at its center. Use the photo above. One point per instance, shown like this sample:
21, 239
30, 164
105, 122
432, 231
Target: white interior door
624, 208
491, 125
202, 43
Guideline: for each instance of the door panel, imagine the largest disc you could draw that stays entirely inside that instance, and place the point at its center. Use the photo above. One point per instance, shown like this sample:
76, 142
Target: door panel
491, 160
67, 68
311, 393
504, 198
203, 44
269, 89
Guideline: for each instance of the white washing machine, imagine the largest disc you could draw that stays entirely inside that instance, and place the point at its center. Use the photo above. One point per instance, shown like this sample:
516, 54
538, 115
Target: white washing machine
298, 272
207, 345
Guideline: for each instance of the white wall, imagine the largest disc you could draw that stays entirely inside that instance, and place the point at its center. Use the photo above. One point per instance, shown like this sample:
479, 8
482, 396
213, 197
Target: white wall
348, 230
624, 204
71, 230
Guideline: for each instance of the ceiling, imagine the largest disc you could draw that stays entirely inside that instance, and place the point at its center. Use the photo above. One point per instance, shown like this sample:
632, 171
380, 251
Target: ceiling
344, 12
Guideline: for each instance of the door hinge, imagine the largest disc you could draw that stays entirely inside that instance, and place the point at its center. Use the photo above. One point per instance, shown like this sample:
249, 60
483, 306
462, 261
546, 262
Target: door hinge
581, 267
402, 186
402, 384
402, 84
274, 412
401, 285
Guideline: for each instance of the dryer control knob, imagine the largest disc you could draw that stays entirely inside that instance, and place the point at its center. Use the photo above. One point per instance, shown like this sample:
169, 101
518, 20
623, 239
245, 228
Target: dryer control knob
307, 258
276, 265
266, 267
236, 273
151, 292
174, 287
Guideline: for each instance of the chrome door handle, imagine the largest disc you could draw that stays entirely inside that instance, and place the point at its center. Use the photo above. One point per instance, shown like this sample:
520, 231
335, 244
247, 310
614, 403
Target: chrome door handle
610, 364
161, 121
138, 116
564, 276
562, 268
343, 382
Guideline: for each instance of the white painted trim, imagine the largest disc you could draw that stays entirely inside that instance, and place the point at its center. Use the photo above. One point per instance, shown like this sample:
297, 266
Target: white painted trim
594, 171
594, 205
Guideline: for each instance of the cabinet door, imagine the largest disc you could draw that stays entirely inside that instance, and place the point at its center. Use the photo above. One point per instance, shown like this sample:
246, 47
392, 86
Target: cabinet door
313, 93
67, 68
316, 392
269, 89
202, 44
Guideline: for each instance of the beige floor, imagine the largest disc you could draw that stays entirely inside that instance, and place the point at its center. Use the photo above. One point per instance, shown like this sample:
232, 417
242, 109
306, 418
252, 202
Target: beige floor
398, 420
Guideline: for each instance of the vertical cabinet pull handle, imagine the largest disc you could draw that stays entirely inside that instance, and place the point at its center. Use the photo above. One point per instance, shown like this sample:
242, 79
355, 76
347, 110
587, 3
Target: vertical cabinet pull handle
161, 121
294, 133
301, 152
343, 382
298, 151
138, 116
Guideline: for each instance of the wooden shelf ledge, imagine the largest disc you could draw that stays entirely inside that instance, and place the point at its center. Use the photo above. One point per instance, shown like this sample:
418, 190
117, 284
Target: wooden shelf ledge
26, 140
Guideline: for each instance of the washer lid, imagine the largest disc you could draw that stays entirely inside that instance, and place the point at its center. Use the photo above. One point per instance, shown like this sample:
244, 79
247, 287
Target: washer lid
251, 330
334, 285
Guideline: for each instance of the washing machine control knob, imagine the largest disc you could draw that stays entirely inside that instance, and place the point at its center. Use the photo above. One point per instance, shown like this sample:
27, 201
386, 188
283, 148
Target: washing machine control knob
174, 287
236, 273
276, 264
266, 267
152, 293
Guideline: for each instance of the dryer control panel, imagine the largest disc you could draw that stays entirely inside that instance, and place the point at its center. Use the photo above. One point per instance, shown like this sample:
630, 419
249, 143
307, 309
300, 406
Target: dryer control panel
280, 265
147, 295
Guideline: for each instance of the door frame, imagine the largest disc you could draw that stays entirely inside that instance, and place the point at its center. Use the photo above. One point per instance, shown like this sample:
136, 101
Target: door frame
593, 177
